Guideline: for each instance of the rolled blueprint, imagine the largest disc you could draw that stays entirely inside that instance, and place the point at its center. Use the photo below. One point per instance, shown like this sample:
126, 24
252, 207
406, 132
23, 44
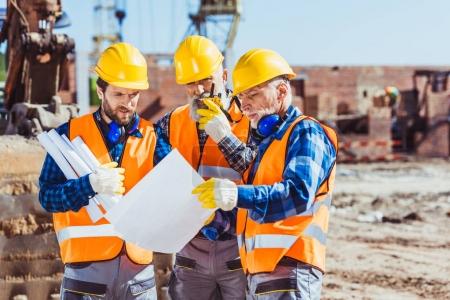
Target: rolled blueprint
85, 153
88, 157
67, 165
80, 167
54, 152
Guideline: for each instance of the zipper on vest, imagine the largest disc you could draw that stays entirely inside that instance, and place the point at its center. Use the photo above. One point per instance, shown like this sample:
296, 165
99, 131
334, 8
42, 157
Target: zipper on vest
103, 137
245, 229
252, 173
202, 147
123, 150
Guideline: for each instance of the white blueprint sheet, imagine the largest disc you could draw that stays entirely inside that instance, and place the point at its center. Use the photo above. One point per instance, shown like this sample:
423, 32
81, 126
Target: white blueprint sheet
159, 213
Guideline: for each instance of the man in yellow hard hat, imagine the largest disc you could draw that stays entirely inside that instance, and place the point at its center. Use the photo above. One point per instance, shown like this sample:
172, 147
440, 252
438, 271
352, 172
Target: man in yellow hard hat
284, 206
99, 264
208, 267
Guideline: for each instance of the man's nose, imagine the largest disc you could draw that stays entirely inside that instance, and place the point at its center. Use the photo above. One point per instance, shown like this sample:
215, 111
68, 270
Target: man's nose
245, 105
199, 90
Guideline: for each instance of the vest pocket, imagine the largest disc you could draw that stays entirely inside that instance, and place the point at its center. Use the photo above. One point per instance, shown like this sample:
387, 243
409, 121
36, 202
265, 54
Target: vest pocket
185, 262
73, 288
234, 264
78, 265
277, 285
142, 287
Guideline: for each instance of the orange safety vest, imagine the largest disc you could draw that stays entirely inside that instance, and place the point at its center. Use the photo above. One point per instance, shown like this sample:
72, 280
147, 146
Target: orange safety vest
81, 240
209, 162
301, 237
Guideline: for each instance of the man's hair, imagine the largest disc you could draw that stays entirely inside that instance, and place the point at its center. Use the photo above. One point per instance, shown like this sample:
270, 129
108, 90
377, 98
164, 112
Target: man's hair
283, 79
279, 79
102, 84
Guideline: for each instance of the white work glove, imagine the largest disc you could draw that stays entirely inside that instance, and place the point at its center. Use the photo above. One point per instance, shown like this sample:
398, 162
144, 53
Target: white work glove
217, 192
108, 179
214, 121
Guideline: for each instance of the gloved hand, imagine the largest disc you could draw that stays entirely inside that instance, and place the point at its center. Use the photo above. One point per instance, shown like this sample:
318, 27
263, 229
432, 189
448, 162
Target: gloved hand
217, 192
213, 121
108, 179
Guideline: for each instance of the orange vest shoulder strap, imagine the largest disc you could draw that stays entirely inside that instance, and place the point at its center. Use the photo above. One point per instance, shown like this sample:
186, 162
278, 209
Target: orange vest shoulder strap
86, 128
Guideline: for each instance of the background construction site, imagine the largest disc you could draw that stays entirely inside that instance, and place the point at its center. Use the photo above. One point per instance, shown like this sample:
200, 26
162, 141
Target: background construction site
389, 229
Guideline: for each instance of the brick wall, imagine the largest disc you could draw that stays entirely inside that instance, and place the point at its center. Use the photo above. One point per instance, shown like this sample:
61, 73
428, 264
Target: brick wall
345, 85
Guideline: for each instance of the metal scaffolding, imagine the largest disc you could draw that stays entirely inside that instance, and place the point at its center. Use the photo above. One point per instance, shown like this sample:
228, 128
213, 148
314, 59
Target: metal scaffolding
217, 20
108, 18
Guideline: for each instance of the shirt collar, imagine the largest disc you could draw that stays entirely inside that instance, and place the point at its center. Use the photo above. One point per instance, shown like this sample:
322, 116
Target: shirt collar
291, 115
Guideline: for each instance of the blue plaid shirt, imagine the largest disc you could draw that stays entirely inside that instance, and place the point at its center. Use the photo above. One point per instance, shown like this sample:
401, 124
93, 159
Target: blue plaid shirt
58, 194
238, 155
309, 160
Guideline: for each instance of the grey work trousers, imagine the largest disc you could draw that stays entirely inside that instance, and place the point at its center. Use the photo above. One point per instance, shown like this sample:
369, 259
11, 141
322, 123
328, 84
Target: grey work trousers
207, 270
297, 281
118, 278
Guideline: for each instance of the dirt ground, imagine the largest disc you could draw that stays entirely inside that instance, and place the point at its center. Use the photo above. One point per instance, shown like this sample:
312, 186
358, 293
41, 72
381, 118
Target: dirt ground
389, 232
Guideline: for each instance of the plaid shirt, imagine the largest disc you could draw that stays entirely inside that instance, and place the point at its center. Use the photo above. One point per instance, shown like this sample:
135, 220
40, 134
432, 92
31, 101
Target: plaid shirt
57, 194
309, 160
238, 155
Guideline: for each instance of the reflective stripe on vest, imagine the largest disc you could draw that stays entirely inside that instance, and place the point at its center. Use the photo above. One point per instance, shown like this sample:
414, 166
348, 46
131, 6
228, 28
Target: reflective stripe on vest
281, 240
270, 241
312, 230
71, 232
316, 232
218, 172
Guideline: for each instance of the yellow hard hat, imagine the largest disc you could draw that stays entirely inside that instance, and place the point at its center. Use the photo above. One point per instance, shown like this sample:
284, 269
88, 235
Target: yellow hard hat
123, 65
195, 59
258, 66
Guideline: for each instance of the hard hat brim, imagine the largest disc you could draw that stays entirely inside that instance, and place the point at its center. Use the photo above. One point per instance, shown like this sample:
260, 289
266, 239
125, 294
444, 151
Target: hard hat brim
131, 85
290, 76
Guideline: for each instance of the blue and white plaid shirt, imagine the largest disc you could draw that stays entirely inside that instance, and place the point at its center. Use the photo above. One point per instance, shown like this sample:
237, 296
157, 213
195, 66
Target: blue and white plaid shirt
309, 160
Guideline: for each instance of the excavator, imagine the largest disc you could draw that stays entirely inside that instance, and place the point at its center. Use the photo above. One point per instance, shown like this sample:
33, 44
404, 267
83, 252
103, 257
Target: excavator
36, 95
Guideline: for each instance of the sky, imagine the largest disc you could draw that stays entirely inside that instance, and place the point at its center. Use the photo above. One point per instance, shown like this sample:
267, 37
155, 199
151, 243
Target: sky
305, 32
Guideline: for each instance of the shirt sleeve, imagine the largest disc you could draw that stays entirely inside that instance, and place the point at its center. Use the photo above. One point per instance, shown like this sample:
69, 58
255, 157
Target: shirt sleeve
238, 154
163, 125
309, 161
224, 223
162, 147
57, 194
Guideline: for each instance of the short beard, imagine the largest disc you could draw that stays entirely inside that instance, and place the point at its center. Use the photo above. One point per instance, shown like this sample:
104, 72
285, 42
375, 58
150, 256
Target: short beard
109, 112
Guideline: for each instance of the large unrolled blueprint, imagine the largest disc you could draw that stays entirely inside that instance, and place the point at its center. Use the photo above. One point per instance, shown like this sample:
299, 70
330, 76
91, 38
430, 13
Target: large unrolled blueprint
160, 213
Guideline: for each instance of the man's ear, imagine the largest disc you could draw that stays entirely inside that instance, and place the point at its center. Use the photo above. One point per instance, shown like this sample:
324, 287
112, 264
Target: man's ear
225, 75
282, 91
99, 93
